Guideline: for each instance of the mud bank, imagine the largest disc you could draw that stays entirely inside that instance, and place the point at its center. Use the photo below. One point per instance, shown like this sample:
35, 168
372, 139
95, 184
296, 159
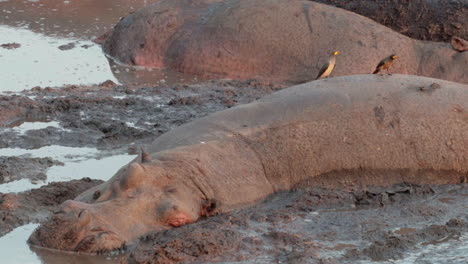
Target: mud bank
36, 205
319, 226
113, 117
15, 168
435, 20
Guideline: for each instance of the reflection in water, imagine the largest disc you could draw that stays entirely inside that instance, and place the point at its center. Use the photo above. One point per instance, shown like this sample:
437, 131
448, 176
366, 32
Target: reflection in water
26, 126
39, 61
138, 75
13, 246
48, 256
85, 19
15, 250
42, 26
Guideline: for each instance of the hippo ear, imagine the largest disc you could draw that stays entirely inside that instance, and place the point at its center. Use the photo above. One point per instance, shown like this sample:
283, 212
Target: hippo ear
459, 44
134, 176
145, 156
208, 207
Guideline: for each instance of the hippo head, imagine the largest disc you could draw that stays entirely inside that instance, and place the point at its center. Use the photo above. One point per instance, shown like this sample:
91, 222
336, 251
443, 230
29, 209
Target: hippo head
142, 197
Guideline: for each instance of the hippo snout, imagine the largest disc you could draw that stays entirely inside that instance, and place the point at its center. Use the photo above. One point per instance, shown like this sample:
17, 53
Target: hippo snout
76, 228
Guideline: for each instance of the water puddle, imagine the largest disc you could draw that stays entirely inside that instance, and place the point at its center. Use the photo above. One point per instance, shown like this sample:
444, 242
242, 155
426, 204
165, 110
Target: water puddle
60, 153
40, 62
26, 126
67, 18
47, 43
78, 163
13, 246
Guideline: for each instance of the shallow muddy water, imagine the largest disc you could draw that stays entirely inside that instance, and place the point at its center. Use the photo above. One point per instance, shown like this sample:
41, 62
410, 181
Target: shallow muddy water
47, 43
40, 62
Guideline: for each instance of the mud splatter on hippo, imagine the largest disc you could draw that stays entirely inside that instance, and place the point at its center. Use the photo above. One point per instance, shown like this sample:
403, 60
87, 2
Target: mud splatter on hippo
323, 133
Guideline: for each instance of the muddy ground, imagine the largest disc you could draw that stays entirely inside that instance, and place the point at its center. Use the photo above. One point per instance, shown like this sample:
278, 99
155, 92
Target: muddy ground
319, 226
435, 20
36, 205
112, 116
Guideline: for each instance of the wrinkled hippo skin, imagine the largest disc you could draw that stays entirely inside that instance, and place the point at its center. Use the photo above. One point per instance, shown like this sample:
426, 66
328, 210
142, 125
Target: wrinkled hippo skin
351, 130
274, 40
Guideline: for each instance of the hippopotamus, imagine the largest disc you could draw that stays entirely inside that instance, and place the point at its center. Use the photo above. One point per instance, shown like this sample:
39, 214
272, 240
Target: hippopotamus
271, 40
339, 132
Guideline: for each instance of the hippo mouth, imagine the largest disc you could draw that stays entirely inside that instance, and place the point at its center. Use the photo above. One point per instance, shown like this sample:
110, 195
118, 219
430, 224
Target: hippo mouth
68, 236
100, 243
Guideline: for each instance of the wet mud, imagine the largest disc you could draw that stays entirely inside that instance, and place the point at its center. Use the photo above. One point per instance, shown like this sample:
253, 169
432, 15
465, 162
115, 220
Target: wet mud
36, 205
113, 116
16, 168
13, 45
317, 226
435, 20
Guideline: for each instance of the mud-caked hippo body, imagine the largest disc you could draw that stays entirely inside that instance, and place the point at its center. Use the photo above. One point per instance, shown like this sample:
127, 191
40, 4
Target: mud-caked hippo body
273, 40
352, 130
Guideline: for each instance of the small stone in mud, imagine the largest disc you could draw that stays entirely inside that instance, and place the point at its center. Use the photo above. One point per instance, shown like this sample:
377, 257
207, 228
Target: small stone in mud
107, 84
68, 46
190, 100
86, 46
36, 89
8, 201
12, 45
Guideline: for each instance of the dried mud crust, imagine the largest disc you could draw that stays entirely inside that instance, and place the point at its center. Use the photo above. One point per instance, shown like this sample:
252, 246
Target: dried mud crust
436, 20
36, 205
114, 116
317, 226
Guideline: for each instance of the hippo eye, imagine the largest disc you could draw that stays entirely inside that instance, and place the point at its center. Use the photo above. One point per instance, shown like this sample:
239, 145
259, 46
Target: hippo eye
96, 195
170, 190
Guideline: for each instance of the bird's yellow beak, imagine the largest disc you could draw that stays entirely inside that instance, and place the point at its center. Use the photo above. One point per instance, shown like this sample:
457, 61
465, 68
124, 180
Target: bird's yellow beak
394, 57
336, 53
